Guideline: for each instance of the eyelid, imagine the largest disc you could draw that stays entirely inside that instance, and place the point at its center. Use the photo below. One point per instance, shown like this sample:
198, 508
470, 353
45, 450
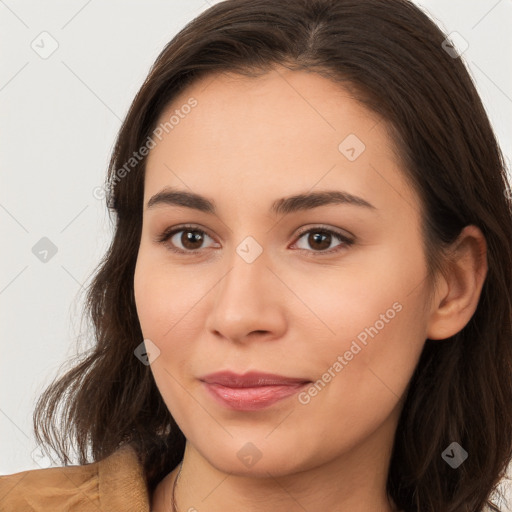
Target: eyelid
171, 231
346, 240
337, 231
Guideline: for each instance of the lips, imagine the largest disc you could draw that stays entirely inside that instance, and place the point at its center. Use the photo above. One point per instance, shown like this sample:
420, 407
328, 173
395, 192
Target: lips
250, 379
251, 391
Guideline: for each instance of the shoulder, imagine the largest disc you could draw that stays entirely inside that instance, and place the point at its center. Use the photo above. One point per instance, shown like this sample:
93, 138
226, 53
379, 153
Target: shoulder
114, 483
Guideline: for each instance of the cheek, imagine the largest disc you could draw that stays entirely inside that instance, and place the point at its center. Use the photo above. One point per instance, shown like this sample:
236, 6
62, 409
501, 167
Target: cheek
370, 328
360, 296
361, 372
168, 305
165, 297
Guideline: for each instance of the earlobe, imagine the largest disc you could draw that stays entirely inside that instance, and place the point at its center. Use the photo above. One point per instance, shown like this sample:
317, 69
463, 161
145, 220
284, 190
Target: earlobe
457, 298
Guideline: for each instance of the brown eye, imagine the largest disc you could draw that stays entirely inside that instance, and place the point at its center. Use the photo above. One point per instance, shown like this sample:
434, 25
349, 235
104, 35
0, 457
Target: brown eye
184, 240
191, 240
320, 240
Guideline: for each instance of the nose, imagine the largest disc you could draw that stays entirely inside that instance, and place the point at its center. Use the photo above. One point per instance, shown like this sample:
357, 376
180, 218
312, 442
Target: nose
248, 303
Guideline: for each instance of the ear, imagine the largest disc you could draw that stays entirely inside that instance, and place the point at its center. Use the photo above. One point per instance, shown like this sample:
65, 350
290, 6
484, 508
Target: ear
458, 290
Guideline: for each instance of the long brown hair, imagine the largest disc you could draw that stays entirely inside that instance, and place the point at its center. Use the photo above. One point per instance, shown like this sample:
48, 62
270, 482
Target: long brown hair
391, 56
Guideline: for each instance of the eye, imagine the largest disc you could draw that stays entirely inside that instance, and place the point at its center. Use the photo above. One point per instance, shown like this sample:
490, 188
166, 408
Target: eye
184, 239
189, 240
320, 239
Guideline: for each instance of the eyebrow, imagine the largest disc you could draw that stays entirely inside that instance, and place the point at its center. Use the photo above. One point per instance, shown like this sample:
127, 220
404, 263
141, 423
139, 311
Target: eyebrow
285, 205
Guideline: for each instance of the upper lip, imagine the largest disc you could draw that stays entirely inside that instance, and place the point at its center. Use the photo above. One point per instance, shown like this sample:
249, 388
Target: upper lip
250, 379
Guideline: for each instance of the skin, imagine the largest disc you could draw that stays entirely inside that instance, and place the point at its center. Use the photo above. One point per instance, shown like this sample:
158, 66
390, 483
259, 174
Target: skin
293, 310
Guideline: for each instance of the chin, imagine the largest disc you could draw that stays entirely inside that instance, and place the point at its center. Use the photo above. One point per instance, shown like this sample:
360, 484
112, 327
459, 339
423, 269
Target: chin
257, 458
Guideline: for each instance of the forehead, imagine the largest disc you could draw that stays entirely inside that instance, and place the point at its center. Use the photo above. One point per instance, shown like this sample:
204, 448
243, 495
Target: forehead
280, 104
285, 131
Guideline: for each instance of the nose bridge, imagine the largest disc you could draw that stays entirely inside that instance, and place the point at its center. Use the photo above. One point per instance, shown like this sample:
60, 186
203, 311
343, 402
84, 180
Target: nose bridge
248, 263
247, 278
246, 300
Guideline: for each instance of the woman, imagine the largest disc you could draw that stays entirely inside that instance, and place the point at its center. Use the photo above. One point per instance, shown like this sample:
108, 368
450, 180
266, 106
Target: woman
307, 301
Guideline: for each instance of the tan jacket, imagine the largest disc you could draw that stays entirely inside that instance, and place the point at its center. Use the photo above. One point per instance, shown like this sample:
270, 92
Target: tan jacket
115, 484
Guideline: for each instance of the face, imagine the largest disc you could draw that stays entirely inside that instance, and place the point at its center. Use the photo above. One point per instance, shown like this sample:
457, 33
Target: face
330, 292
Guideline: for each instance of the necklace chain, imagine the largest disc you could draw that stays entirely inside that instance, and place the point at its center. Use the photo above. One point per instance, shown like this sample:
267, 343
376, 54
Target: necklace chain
174, 488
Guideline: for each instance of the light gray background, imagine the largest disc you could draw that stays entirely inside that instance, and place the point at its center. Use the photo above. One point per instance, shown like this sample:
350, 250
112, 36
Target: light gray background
60, 116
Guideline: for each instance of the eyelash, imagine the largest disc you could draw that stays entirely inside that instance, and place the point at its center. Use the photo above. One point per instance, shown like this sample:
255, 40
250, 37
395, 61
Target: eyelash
169, 233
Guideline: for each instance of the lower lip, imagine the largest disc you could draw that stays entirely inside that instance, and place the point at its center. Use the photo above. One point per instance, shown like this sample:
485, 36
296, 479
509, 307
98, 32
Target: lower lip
252, 399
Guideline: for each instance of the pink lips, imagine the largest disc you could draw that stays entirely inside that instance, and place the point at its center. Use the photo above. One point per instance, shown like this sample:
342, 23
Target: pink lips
251, 391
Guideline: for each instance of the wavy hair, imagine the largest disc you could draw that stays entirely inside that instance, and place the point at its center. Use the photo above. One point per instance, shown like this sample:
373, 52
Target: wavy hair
391, 56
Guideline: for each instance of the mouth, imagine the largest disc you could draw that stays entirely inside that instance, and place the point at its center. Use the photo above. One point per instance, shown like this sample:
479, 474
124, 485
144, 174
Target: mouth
251, 391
